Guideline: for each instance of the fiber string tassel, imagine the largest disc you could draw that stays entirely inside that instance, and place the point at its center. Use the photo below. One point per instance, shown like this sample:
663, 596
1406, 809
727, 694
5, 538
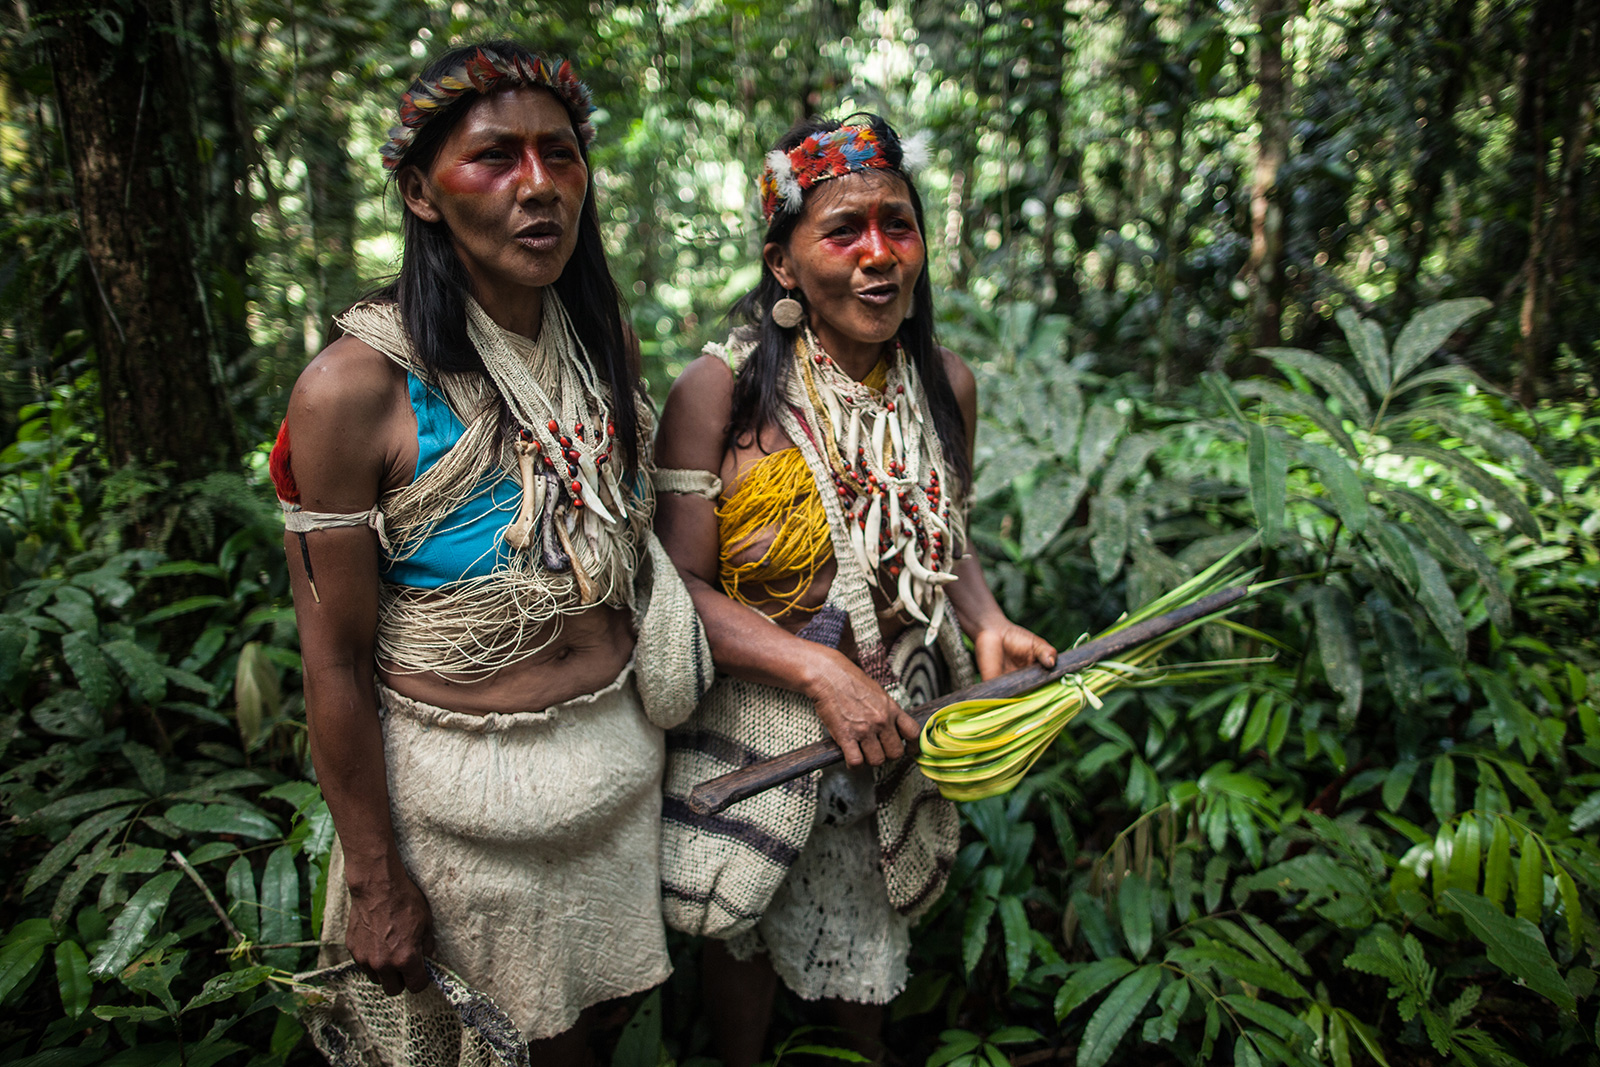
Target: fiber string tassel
982, 748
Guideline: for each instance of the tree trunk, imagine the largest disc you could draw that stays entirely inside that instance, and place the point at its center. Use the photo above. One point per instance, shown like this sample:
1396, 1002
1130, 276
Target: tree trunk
1263, 271
129, 126
1440, 142
1533, 139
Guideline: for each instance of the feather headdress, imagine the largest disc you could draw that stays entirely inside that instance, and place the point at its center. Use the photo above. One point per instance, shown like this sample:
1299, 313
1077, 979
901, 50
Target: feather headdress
486, 72
846, 150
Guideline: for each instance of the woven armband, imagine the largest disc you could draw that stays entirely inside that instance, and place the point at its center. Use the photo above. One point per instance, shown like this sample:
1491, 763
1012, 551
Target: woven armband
687, 482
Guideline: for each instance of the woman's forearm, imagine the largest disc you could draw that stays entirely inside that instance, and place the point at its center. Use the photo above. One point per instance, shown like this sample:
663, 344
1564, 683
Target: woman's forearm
975, 606
748, 645
347, 752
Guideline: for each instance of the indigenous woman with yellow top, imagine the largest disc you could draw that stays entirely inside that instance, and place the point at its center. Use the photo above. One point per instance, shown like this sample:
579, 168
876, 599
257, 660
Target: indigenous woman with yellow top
493, 637
815, 472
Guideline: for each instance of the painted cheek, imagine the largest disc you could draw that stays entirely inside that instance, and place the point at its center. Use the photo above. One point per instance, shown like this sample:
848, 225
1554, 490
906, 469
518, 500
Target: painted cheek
467, 179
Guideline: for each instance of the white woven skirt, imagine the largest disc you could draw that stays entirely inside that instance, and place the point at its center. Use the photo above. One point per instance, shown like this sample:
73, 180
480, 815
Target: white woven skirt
830, 930
536, 839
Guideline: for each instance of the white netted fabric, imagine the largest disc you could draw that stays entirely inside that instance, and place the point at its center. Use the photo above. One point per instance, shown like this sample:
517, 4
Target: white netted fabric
354, 1023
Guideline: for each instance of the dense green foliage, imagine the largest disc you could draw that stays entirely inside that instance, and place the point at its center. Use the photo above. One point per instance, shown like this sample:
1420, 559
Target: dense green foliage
1378, 841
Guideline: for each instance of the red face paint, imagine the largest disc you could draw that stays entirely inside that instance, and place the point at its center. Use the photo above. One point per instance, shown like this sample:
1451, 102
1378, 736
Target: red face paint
510, 183
856, 255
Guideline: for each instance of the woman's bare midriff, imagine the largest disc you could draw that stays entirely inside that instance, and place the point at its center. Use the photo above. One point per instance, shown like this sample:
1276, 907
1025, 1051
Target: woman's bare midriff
736, 464
588, 652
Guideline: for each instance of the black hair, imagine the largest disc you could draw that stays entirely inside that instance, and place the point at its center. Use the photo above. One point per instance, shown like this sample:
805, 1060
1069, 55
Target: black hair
433, 284
758, 391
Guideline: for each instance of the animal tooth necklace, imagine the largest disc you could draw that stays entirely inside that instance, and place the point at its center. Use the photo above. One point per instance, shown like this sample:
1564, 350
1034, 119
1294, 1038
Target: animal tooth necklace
576, 494
888, 470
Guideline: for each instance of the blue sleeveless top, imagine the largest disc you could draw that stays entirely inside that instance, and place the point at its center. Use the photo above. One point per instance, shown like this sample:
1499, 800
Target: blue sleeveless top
469, 542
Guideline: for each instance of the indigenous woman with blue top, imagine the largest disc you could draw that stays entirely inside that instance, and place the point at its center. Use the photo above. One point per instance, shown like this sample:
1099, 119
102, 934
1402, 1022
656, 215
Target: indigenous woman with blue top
493, 637
815, 472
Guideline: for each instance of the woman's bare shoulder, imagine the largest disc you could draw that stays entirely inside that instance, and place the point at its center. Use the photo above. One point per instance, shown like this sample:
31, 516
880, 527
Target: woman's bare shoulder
962, 380
348, 380
701, 395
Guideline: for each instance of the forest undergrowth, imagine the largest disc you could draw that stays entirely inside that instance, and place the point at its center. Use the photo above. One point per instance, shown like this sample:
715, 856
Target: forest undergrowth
1377, 844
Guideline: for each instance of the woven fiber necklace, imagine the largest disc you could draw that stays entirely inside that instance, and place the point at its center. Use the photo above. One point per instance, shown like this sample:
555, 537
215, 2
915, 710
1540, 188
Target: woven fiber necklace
570, 490
887, 468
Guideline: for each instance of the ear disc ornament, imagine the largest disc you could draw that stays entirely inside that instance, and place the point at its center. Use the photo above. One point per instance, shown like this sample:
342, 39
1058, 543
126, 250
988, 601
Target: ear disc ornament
787, 312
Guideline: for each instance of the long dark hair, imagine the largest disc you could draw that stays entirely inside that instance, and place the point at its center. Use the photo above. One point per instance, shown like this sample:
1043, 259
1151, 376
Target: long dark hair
758, 390
432, 286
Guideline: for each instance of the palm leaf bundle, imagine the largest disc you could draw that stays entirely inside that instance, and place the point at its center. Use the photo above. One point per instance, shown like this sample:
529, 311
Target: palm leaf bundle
981, 748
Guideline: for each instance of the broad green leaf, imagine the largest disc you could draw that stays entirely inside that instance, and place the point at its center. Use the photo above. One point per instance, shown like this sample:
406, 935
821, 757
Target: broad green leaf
142, 668
72, 978
1269, 483
1341, 480
1095, 925
1586, 814
1338, 1041
69, 847
223, 986
1082, 985
1019, 938
182, 607
1131, 456
147, 765
1498, 441
1255, 728
1274, 1018
1568, 889
223, 819
1449, 375
1116, 1014
1439, 600
1015, 1035
23, 947
132, 926
75, 608
139, 1013
1442, 789
280, 906
1398, 783
90, 669
244, 906
1365, 1034
14, 641
1497, 866
80, 804
1278, 732
1244, 1051
1341, 655
1108, 534
1530, 879
256, 695
1278, 944
1430, 328
980, 912
1488, 489
1466, 855
78, 878
1172, 1002
1133, 908
1051, 502
1102, 425
1307, 407
1450, 541
1233, 718
1515, 946
1002, 467
1367, 345
1398, 651
1328, 374
1394, 548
